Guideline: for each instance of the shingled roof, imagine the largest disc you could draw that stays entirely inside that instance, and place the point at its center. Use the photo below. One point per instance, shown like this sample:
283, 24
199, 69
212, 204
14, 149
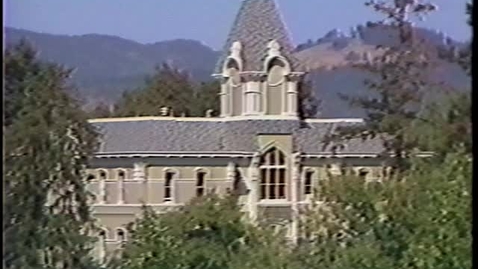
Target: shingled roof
257, 23
169, 135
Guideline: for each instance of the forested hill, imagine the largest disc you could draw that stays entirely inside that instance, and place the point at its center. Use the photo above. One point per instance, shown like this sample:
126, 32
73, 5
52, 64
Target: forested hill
105, 66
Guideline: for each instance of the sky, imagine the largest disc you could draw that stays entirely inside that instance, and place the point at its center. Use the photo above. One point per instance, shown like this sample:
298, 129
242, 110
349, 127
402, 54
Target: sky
208, 21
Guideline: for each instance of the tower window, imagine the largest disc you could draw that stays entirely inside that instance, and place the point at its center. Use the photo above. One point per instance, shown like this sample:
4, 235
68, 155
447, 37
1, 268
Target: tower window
308, 186
121, 175
168, 180
103, 175
273, 176
120, 235
200, 177
362, 173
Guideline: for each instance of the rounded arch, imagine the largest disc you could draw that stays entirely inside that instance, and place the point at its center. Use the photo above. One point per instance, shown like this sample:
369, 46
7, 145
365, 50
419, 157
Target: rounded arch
171, 170
203, 170
362, 172
102, 174
231, 62
103, 233
280, 60
90, 177
272, 155
121, 173
121, 234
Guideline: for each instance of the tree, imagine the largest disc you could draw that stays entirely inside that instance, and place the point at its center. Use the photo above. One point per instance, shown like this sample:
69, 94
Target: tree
101, 110
206, 98
168, 87
209, 232
397, 89
423, 222
308, 103
47, 145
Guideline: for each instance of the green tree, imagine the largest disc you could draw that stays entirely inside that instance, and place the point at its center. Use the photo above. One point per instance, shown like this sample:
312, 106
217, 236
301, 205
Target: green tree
168, 87
101, 110
47, 146
396, 90
308, 103
209, 232
206, 98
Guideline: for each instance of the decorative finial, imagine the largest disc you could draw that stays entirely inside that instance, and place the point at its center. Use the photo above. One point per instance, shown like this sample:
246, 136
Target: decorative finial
274, 48
236, 50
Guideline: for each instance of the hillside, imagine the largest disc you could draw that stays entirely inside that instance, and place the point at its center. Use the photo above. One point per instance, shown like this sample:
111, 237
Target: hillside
105, 66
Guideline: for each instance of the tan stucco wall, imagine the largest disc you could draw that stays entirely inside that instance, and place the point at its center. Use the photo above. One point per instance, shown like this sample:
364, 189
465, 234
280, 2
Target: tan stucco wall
274, 99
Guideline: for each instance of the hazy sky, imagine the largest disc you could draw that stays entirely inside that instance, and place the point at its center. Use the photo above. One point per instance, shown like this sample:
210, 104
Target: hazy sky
209, 21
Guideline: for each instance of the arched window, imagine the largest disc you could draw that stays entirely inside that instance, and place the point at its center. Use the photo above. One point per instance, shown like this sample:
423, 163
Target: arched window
168, 185
90, 177
362, 173
103, 175
200, 182
121, 175
273, 175
276, 72
308, 182
102, 237
120, 235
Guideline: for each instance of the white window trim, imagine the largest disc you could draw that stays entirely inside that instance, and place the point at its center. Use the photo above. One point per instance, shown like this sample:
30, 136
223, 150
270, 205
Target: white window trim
207, 177
117, 239
276, 148
172, 187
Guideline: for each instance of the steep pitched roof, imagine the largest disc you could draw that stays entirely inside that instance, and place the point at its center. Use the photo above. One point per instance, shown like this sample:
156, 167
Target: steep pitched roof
153, 136
257, 23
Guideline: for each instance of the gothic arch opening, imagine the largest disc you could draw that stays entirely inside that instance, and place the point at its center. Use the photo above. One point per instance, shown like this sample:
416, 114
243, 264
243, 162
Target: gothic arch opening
273, 175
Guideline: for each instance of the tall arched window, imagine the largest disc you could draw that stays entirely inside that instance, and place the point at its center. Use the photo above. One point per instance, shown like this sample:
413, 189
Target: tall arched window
308, 183
273, 175
275, 91
121, 236
102, 236
121, 178
200, 182
168, 185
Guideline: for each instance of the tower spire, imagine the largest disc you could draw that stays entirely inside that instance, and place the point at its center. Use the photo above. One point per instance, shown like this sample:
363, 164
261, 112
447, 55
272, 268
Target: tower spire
257, 23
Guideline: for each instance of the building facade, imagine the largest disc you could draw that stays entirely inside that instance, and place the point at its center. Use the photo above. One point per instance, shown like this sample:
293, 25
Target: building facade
258, 146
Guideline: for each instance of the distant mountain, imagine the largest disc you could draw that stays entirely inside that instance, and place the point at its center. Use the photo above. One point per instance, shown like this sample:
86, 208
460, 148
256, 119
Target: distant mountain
105, 66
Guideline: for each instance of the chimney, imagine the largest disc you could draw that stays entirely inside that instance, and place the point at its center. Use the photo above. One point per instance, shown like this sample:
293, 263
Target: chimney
164, 111
209, 113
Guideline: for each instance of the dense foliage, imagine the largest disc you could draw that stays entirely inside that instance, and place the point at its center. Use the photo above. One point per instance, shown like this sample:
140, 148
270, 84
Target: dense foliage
47, 143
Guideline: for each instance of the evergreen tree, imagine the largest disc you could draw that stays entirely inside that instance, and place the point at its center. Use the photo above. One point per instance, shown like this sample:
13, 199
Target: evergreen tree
168, 87
101, 110
47, 145
207, 98
397, 90
308, 103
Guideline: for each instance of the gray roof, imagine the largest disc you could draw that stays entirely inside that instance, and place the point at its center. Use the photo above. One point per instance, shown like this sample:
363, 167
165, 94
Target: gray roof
218, 136
257, 23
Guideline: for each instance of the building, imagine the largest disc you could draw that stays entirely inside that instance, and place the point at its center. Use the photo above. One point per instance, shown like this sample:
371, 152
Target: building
258, 145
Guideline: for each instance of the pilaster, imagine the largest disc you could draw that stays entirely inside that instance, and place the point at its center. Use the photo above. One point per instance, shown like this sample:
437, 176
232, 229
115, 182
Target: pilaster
295, 186
253, 196
139, 174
